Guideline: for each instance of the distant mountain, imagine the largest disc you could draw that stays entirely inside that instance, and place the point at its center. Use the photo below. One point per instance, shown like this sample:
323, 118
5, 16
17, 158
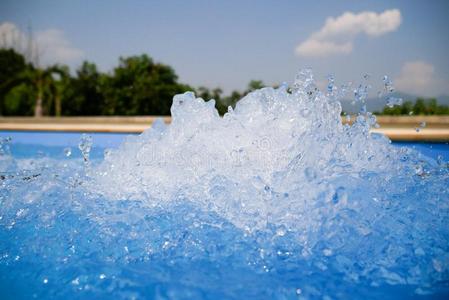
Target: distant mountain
376, 104
443, 99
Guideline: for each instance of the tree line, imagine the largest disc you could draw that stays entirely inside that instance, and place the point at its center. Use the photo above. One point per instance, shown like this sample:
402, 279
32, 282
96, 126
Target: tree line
136, 86
422, 106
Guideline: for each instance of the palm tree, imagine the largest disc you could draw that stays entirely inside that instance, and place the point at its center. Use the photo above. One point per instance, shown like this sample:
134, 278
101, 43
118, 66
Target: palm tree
42, 81
60, 76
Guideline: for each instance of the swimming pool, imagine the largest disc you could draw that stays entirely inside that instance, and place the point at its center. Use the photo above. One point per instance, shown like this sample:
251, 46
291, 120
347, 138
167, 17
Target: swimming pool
52, 144
129, 272
276, 200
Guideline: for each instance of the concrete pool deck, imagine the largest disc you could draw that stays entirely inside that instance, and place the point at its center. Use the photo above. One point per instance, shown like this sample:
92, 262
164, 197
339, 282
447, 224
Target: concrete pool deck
400, 128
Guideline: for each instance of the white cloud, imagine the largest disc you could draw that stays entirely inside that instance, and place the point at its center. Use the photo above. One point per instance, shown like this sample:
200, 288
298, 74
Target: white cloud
338, 34
416, 75
50, 45
11, 36
313, 47
418, 78
58, 47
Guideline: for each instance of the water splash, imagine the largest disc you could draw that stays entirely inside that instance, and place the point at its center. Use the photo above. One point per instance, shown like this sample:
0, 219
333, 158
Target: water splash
67, 151
421, 126
85, 146
276, 199
387, 92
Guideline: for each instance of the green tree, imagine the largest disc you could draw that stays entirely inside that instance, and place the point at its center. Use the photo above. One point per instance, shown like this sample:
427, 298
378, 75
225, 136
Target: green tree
11, 65
60, 77
254, 85
421, 107
140, 86
19, 101
137, 86
61, 85
41, 82
83, 93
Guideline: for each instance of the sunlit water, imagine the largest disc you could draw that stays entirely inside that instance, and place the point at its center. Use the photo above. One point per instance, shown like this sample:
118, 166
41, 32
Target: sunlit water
275, 200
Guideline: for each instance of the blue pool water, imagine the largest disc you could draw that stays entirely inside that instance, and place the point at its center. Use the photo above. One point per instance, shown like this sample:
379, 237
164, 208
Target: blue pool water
276, 200
52, 144
132, 273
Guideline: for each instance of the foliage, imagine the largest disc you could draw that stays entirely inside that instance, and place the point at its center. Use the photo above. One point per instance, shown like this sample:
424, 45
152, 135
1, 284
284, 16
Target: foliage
84, 92
19, 100
25, 89
140, 86
137, 86
421, 107
11, 64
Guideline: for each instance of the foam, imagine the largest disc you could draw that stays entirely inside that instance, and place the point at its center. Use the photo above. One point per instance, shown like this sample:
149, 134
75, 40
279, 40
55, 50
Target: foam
276, 199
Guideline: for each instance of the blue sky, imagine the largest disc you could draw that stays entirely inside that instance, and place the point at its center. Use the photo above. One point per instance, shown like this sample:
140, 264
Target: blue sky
228, 43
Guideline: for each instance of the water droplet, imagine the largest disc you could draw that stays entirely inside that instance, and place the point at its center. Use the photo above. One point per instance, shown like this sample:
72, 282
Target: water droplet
310, 173
421, 126
68, 151
107, 153
340, 195
361, 93
298, 291
437, 265
363, 109
380, 94
419, 252
306, 112
283, 86
393, 101
305, 82
419, 170
4, 145
281, 231
388, 84
85, 146
327, 252
304, 79
330, 83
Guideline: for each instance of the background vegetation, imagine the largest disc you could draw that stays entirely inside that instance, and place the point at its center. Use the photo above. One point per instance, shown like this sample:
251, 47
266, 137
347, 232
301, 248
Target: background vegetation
420, 107
137, 86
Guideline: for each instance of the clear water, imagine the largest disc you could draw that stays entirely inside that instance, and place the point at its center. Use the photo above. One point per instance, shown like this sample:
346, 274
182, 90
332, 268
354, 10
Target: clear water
276, 200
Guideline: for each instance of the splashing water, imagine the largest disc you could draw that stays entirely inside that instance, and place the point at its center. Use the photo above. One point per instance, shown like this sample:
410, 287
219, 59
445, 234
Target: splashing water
85, 146
388, 90
68, 151
421, 126
277, 199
